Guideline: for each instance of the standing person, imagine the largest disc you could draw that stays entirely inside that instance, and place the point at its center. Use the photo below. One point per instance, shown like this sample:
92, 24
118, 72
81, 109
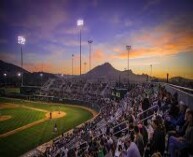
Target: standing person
139, 140
66, 151
145, 106
158, 140
55, 128
131, 148
50, 115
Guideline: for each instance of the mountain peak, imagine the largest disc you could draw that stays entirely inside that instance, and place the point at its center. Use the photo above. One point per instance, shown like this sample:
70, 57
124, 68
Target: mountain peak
105, 70
107, 64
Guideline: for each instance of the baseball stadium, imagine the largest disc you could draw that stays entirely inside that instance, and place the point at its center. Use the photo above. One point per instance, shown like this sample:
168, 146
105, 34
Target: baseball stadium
96, 78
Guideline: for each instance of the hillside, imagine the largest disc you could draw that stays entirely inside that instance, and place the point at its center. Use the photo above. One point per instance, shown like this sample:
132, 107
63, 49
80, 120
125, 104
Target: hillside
107, 72
10, 69
30, 79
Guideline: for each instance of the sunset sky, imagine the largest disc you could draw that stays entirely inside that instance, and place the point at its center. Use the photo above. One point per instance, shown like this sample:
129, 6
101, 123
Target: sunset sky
160, 33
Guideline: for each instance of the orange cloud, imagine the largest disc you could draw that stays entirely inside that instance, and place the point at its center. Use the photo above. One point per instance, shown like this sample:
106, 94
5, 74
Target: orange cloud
38, 67
159, 41
98, 55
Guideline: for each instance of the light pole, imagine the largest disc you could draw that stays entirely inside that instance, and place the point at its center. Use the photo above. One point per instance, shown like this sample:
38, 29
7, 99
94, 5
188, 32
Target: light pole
5, 75
167, 77
150, 72
128, 49
19, 75
85, 67
21, 41
80, 23
41, 75
90, 42
72, 63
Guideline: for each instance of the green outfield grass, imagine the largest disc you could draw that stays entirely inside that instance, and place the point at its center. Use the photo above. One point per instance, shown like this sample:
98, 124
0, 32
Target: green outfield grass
23, 141
19, 117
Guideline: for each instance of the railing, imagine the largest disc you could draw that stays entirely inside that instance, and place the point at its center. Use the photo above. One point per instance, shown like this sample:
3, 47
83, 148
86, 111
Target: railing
183, 88
120, 131
152, 107
120, 125
145, 111
184, 94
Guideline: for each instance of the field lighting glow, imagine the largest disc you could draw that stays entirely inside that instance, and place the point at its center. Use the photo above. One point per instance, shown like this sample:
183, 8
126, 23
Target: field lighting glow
21, 40
80, 22
19, 74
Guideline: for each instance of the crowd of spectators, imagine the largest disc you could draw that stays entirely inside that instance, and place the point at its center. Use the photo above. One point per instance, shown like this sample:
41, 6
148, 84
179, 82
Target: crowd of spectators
148, 121
75, 88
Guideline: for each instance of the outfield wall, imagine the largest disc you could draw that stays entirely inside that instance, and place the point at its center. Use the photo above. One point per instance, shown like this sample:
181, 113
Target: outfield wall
55, 100
65, 101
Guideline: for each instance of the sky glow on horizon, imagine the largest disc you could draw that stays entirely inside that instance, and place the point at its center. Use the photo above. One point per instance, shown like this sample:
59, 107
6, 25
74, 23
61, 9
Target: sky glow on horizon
160, 33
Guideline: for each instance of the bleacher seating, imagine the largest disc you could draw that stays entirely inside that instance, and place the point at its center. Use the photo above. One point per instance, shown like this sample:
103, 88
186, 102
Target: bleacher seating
110, 132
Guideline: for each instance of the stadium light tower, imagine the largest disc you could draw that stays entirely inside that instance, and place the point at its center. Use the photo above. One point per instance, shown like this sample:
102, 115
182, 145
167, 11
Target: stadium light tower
41, 76
5, 75
19, 75
128, 49
21, 41
150, 72
85, 67
72, 63
90, 42
80, 23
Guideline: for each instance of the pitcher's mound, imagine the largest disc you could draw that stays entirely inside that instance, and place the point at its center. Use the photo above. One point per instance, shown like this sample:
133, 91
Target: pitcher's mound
5, 117
55, 114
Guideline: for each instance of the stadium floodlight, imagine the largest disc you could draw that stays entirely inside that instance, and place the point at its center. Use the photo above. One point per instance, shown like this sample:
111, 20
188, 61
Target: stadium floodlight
80, 22
5, 75
18, 74
41, 75
21, 40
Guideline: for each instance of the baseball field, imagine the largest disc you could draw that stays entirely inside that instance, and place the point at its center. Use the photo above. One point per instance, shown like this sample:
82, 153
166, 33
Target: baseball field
25, 125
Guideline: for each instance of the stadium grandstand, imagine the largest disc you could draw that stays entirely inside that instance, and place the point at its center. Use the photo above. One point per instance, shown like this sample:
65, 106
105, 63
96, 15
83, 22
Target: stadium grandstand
152, 119
96, 78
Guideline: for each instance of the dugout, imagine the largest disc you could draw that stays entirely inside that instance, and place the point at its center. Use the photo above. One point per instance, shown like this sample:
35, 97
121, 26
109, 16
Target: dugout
29, 90
118, 93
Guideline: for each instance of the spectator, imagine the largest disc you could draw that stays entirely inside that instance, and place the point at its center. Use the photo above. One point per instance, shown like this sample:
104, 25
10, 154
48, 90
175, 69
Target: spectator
185, 141
139, 140
157, 154
131, 148
131, 132
157, 143
145, 106
178, 120
144, 133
